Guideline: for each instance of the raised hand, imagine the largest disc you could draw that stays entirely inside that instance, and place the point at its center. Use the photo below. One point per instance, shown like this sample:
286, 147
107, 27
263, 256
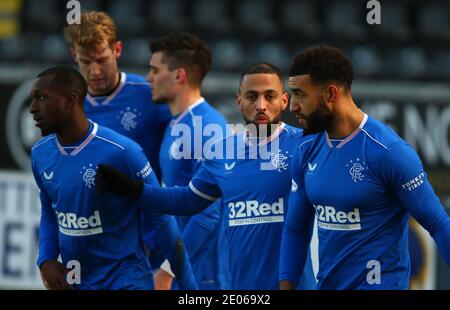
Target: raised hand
111, 180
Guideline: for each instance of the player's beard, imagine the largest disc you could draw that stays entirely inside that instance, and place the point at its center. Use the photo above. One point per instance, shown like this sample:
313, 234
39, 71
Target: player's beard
319, 120
160, 100
264, 130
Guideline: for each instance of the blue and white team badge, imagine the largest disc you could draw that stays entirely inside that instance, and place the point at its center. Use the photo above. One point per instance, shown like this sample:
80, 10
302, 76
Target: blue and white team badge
128, 118
279, 160
356, 169
89, 175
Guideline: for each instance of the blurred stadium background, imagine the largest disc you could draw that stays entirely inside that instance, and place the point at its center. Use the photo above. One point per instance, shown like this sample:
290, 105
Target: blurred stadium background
402, 78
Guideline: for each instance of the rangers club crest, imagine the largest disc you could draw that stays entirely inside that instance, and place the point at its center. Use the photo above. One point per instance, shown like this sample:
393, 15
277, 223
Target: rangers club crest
357, 169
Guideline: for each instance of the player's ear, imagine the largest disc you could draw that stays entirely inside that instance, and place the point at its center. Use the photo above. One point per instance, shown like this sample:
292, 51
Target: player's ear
118, 49
284, 101
331, 93
238, 100
73, 53
72, 100
181, 75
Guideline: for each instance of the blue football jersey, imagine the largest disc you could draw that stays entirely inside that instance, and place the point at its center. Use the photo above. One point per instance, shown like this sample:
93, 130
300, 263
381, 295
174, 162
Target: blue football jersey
255, 190
101, 232
204, 233
130, 111
362, 190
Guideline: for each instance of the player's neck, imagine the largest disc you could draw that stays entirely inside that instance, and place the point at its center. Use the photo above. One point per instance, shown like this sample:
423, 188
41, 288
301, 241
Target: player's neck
110, 91
183, 100
74, 131
346, 120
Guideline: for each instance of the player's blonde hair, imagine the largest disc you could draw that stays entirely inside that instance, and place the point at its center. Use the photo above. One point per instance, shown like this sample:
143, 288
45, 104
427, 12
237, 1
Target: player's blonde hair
94, 29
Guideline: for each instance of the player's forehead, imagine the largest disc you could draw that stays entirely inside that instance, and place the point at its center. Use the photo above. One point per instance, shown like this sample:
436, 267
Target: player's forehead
94, 52
46, 85
261, 83
157, 59
300, 82
42, 84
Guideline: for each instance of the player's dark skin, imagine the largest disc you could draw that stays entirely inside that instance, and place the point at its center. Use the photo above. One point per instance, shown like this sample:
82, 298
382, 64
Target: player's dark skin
60, 112
54, 275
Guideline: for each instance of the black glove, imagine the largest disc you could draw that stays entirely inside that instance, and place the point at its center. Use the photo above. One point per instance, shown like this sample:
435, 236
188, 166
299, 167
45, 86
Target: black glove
112, 180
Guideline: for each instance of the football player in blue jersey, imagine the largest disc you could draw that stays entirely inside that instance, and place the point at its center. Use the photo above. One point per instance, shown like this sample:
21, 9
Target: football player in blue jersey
361, 181
99, 231
178, 66
117, 100
253, 179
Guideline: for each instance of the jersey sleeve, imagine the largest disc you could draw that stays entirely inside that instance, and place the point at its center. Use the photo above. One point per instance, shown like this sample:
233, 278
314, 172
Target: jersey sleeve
140, 169
138, 164
169, 237
167, 233
203, 183
200, 228
297, 229
48, 225
404, 175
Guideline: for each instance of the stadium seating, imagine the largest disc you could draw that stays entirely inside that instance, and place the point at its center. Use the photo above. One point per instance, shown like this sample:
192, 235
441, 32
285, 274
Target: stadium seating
408, 44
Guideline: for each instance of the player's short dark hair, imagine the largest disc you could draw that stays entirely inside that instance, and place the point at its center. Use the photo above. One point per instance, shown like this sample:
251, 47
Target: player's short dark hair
184, 50
67, 80
262, 67
324, 64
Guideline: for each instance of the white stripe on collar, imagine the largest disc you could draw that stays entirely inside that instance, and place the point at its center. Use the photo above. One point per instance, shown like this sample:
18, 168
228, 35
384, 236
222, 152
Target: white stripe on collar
82, 144
92, 101
266, 140
188, 110
349, 137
